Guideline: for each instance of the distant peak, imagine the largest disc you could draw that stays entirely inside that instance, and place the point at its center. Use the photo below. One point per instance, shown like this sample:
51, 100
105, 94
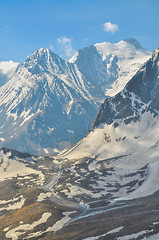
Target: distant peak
43, 51
134, 42
42, 60
155, 55
156, 50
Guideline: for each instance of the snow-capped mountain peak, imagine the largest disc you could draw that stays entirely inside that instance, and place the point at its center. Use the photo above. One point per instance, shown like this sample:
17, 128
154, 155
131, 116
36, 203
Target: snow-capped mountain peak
124, 49
43, 53
114, 64
43, 60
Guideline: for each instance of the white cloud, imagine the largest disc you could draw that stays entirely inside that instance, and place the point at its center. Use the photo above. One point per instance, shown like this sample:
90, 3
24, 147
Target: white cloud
64, 40
110, 27
65, 45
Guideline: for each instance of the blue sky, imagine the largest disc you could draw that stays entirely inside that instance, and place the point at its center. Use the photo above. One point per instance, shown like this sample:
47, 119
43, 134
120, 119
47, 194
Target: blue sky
68, 25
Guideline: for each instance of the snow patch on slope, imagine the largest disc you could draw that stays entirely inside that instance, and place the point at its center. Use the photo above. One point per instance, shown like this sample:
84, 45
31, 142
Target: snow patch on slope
11, 168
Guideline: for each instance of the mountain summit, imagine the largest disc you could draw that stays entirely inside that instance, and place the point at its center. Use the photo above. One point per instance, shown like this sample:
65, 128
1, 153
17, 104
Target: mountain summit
107, 66
44, 60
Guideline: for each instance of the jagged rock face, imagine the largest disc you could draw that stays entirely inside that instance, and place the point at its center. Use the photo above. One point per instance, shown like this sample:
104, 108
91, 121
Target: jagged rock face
146, 83
139, 95
120, 108
94, 71
48, 104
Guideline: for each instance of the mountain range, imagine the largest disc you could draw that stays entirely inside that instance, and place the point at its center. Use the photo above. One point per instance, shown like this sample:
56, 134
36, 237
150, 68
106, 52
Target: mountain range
104, 187
48, 104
